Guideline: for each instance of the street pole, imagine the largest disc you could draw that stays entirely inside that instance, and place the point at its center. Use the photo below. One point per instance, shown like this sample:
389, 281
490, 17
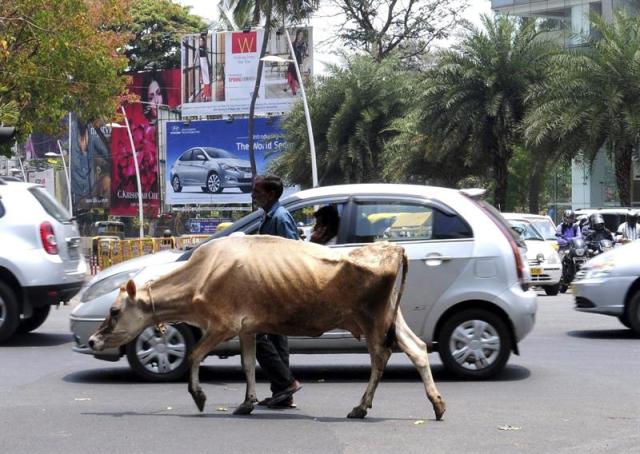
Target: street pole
312, 146
67, 175
135, 163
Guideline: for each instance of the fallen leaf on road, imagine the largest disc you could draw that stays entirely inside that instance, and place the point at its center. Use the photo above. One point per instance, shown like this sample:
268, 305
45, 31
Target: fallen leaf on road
418, 422
169, 408
508, 427
221, 408
226, 388
82, 398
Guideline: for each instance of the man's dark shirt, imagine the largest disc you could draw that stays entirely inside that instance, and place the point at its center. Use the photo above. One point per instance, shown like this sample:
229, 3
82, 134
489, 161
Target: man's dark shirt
279, 222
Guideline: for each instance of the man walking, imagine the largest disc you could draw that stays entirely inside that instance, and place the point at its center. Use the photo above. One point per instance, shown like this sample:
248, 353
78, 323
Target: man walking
272, 350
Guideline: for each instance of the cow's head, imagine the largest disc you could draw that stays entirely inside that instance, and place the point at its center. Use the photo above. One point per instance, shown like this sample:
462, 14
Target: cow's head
128, 316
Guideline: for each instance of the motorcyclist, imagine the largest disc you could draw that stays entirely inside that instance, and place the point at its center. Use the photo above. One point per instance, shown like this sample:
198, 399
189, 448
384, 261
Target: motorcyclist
629, 230
568, 229
597, 231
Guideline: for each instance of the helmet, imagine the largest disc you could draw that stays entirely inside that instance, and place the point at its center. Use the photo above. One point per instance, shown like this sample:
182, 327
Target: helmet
568, 217
597, 221
632, 217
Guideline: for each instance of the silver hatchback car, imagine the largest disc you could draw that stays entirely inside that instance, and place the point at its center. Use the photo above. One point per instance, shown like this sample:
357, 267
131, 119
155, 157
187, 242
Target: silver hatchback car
40, 260
467, 289
213, 169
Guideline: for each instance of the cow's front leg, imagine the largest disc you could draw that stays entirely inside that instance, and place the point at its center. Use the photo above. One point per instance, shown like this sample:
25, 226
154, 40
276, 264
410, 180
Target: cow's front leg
379, 357
248, 355
206, 344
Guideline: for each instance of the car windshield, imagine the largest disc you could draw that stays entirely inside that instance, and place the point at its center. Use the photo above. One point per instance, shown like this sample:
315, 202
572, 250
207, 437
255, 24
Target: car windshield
217, 153
50, 205
545, 227
526, 230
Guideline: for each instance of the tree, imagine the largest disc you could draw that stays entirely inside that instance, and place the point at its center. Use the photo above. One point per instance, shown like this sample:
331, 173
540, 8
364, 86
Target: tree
353, 109
474, 99
156, 27
382, 27
61, 55
592, 98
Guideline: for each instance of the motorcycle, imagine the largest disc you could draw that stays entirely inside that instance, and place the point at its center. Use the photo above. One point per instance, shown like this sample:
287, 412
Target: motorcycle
574, 255
598, 247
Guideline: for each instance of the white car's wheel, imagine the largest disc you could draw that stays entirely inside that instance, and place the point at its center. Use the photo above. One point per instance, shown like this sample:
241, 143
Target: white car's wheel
214, 184
161, 357
632, 313
475, 344
9, 313
175, 184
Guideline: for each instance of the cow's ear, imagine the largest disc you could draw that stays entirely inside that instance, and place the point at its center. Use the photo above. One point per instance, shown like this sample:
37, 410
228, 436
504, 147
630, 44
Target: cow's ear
131, 289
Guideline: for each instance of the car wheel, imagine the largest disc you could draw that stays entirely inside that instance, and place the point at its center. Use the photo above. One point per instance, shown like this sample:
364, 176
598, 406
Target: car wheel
624, 320
632, 313
246, 189
563, 288
9, 313
161, 357
39, 316
552, 290
474, 344
214, 184
175, 184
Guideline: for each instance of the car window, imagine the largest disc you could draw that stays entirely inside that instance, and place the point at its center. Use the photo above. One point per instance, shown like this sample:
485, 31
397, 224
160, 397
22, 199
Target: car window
526, 230
305, 219
50, 205
198, 155
186, 156
545, 227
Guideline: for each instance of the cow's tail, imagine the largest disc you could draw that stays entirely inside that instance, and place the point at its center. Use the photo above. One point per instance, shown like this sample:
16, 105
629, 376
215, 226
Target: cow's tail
390, 339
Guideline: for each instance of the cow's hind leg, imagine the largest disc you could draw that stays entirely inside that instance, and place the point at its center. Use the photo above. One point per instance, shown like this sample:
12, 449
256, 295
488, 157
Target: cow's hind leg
248, 351
379, 354
206, 344
416, 350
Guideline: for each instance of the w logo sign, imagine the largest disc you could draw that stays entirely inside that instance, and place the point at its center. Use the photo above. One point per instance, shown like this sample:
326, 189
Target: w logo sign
243, 43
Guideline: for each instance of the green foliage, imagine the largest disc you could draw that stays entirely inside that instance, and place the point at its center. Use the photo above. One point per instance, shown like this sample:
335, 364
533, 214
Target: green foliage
592, 97
57, 56
352, 109
156, 28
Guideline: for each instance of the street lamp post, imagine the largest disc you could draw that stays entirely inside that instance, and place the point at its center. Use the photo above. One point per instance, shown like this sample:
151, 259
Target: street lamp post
66, 174
312, 146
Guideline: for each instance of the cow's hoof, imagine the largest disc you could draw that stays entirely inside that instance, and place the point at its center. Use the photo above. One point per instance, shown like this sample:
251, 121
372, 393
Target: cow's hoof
245, 408
357, 413
439, 407
199, 397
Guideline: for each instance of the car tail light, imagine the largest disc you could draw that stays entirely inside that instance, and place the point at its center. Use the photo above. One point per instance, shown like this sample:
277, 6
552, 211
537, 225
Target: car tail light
48, 238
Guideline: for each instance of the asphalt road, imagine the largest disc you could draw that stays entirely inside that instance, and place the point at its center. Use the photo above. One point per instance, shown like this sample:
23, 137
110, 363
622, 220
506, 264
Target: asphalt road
574, 389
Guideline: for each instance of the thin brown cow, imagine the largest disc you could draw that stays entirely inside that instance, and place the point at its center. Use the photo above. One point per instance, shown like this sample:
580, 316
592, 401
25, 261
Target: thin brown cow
240, 286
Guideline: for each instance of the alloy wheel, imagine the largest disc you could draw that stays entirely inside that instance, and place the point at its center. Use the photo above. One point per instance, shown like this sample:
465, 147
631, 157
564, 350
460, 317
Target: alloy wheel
3, 311
213, 182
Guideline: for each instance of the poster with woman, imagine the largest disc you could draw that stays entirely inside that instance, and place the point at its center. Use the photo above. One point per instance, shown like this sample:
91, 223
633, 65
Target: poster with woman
157, 90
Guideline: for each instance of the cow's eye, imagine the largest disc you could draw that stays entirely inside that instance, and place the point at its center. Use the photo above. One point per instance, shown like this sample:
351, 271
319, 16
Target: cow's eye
114, 311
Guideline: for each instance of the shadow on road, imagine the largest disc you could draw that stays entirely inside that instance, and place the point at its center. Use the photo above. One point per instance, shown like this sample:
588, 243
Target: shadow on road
38, 340
604, 334
322, 373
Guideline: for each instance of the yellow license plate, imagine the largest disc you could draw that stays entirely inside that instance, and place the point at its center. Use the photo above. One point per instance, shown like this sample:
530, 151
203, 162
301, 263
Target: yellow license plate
536, 271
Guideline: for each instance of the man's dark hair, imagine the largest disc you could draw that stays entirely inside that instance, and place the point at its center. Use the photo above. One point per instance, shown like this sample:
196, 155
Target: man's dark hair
271, 183
328, 216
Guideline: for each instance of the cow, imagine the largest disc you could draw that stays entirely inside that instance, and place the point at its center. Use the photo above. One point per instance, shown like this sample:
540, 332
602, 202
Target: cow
240, 286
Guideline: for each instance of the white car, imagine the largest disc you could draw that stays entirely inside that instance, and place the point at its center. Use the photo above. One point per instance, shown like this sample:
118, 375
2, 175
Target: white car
40, 260
467, 292
545, 264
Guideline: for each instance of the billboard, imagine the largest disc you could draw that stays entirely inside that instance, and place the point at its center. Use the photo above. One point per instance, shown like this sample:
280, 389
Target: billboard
219, 71
155, 89
208, 161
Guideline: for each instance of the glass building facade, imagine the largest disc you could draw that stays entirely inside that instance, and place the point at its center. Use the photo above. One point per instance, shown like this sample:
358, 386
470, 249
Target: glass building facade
568, 21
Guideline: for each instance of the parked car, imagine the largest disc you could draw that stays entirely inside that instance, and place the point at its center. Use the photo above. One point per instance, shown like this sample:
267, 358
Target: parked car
545, 264
609, 284
40, 260
467, 292
213, 169
542, 223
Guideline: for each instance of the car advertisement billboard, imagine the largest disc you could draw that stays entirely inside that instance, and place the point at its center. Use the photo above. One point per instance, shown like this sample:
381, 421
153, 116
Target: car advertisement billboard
219, 71
208, 161
156, 91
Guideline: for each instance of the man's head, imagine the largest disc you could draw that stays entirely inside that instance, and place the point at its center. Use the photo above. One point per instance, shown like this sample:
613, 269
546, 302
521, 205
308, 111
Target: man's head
267, 189
327, 224
568, 217
632, 217
128, 316
597, 221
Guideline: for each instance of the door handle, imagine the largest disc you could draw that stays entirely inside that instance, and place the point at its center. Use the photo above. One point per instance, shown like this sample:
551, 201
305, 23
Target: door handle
436, 259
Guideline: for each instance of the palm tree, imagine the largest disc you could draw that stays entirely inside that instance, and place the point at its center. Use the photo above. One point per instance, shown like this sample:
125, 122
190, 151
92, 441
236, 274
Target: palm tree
474, 98
592, 97
353, 109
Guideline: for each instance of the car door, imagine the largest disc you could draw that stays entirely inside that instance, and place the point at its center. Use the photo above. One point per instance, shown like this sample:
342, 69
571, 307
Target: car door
438, 241
199, 167
183, 167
